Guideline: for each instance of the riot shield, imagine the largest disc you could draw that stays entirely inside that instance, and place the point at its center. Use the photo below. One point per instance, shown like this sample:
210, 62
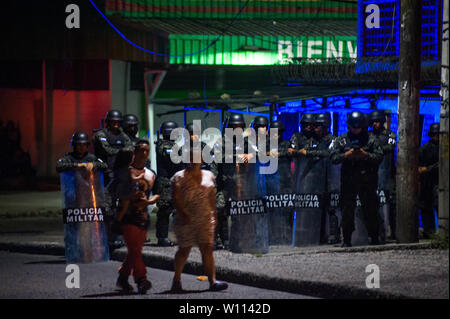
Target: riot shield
83, 217
311, 184
279, 204
334, 214
249, 222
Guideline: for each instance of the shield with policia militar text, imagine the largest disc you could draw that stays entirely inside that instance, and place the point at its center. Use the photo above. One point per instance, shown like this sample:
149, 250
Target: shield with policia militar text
83, 201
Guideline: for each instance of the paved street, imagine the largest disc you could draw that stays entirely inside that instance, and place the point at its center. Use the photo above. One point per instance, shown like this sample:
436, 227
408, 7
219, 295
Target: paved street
40, 276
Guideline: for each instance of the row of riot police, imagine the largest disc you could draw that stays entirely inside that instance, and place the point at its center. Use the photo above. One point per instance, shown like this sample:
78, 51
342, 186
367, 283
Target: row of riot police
320, 183
311, 163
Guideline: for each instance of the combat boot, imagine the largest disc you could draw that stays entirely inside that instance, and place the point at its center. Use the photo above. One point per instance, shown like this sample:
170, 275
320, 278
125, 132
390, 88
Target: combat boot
347, 240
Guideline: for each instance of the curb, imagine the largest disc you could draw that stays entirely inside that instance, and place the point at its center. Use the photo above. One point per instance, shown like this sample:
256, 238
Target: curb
310, 288
305, 287
31, 214
40, 248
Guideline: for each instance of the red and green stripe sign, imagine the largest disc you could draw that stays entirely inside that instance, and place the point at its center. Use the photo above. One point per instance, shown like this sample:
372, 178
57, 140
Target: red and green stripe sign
226, 9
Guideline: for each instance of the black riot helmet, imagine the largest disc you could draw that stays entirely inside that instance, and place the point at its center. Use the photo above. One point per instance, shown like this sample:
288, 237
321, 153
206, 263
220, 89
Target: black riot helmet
356, 119
260, 121
307, 118
130, 119
130, 124
434, 129
113, 115
79, 138
235, 119
323, 119
167, 127
190, 127
377, 116
279, 125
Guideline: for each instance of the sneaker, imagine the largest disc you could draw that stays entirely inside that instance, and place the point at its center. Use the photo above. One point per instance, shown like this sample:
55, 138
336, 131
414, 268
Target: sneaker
143, 286
123, 284
218, 286
176, 287
165, 242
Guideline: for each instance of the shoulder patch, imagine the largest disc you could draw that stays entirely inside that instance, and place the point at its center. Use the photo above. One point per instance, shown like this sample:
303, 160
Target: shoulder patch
103, 139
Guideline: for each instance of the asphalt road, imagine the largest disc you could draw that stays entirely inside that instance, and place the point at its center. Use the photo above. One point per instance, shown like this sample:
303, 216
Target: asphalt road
28, 276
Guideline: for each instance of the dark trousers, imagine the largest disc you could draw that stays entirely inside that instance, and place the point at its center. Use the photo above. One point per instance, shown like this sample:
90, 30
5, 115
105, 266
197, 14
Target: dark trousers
162, 221
222, 225
429, 203
133, 264
366, 188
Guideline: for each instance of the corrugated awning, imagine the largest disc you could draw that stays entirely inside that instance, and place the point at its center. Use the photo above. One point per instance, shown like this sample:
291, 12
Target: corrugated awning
225, 9
250, 27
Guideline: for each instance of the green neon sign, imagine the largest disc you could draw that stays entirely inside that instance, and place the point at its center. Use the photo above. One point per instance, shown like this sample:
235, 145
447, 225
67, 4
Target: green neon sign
262, 50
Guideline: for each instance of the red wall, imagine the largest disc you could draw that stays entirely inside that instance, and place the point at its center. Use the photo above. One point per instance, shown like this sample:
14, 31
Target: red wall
72, 110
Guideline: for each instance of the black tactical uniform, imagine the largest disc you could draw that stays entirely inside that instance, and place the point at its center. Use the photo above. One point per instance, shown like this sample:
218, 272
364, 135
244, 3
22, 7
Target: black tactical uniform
107, 144
226, 183
248, 233
71, 160
359, 176
386, 171
429, 181
318, 152
166, 169
130, 127
299, 139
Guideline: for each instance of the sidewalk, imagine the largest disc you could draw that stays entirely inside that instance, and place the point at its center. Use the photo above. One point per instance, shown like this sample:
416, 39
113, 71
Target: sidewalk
406, 270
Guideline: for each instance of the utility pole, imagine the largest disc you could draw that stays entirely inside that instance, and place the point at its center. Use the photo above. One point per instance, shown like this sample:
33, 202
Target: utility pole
443, 138
408, 128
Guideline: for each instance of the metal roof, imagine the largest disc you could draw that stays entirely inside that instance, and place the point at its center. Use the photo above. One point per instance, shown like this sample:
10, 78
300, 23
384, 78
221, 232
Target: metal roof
250, 27
225, 9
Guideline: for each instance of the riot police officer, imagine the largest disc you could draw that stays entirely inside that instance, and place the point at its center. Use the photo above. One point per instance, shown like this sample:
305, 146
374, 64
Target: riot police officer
386, 171
249, 233
225, 174
79, 158
130, 126
166, 169
260, 125
299, 139
319, 150
360, 155
429, 179
312, 179
109, 140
